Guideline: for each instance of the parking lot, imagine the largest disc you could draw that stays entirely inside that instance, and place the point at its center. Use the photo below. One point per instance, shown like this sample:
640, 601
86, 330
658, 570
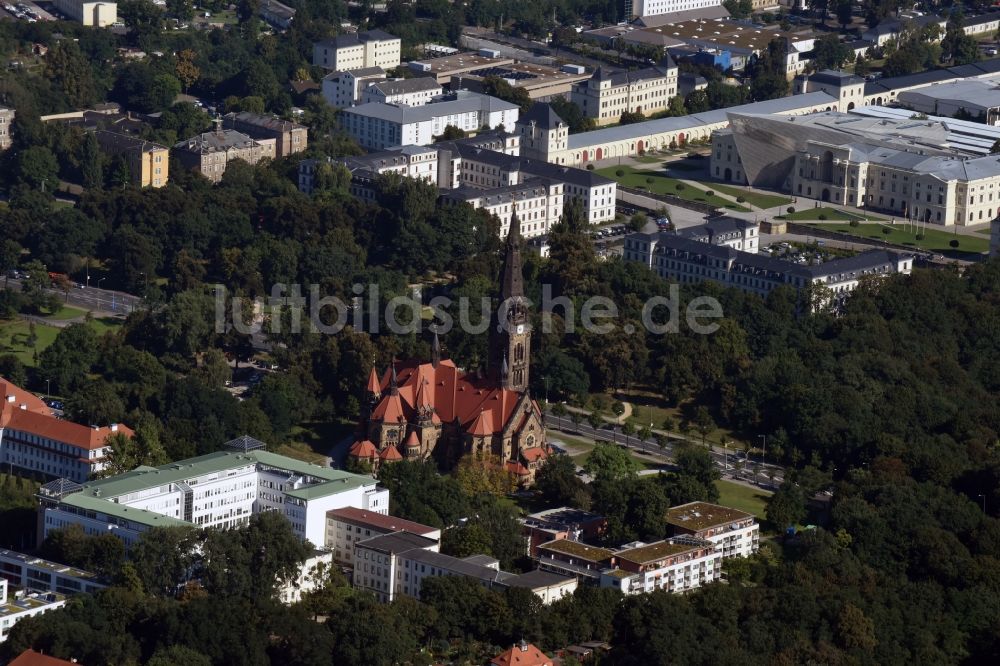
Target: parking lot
27, 11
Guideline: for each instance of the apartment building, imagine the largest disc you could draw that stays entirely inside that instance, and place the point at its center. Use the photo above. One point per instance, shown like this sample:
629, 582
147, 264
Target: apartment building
343, 89
37, 575
534, 205
686, 261
675, 565
34, 440
735, 533
6, 123
658, 7
289, 138
378, 563
21, 605
210, 152
573, 558
373, 48
347, 526
148, 163
610, 93
312, 576
89, 13
417, 162
404, 92
221, 490
381, 126
560, 523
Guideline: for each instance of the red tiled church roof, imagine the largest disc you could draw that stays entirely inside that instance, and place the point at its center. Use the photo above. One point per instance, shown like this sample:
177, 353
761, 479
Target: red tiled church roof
32, 658
390, 454
363, 449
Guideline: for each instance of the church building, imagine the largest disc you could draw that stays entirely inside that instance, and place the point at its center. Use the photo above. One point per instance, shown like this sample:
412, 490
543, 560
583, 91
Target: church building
419, 409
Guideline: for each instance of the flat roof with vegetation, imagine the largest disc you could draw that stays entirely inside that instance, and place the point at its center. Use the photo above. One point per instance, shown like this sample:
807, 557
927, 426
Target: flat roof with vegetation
577, 549
698, 516
655, 551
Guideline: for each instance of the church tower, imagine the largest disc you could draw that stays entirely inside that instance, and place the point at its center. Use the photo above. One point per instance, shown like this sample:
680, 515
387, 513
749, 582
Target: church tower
511, 344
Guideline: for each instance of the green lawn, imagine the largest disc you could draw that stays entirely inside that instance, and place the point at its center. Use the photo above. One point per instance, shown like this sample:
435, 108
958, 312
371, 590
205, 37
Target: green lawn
648, 159
14, 336
300, 451
657, 183
66, 312
809, 214
742, 497
753, 198
934, 239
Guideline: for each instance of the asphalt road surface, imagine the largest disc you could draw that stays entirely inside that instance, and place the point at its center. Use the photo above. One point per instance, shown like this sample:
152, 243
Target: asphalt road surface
92, 298
719, 455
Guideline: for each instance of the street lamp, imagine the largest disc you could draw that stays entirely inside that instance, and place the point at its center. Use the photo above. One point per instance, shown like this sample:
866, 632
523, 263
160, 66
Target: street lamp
763, 451
48, 387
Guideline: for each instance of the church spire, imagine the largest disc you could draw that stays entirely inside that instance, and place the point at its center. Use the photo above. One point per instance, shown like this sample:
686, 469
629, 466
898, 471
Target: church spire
436, 350
393, 381
513, 276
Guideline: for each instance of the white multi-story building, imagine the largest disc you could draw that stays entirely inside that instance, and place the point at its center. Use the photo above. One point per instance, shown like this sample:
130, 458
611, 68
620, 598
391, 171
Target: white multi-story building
536, 204
345, 527
88, 12
6, 122
38, 575
609, 93
726, 231
313, 573
735, 533
542, 131
374, 48
691, 262
382, 126
658, 7
674, 565
21, 606
404, 92
397, 564
221, 489
343, 89
34, 440
848, 89
418, 162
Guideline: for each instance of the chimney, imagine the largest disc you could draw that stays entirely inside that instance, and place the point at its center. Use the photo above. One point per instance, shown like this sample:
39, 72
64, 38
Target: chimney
24, 406
114, 427
11, 398
217, 122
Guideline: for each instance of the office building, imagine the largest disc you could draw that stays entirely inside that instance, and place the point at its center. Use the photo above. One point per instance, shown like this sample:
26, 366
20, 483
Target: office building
15, 607
542, 131
35, 441
403, 92
210, 152
37, 575
726, 231
89, 13
221, 489
446, 68
289, 138
540, 82
535, 205
382, 126
343, 89
6, 124
847, 89
148, 163
658, 7
735, 533
345, 527
607, 94
373, 48
419, 162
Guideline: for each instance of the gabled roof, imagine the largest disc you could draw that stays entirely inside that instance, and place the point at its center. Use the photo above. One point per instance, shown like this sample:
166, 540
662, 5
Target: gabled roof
542, 115
379, 521
32, 658
363, 449
523, 654
390, 454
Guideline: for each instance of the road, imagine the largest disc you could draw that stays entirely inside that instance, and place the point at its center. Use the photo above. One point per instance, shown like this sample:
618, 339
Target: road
92, 298
720, 456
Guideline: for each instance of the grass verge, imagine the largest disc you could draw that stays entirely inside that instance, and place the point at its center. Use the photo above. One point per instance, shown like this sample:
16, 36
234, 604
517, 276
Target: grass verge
657, 183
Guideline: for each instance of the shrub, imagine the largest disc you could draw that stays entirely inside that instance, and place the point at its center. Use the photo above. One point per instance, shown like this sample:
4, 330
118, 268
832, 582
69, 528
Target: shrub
822, 216
886, 230
619, 172
709, 193
590, 167
920, 237
649, 181
790, 210
741, 200
679, 186
953, 243
854, 223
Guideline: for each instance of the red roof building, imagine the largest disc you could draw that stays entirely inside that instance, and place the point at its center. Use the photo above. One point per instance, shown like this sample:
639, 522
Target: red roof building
32, 658
522, 654
421, 409
32, 438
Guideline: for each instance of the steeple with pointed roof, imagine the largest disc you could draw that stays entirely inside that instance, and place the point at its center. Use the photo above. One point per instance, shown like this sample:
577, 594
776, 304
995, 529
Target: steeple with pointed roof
512, 334
513, 271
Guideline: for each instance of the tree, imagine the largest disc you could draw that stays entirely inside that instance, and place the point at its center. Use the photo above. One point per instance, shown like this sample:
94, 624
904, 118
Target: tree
558, 484
37, 167
697, 102
676, 106
164, 557
68, 360
494, 86
185, 69
560, 375
845, 13
450, 133
787, 506
143, 19
67, 66
572, 115
830, 52
610, 462
95, 403
629, 117
484, 474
